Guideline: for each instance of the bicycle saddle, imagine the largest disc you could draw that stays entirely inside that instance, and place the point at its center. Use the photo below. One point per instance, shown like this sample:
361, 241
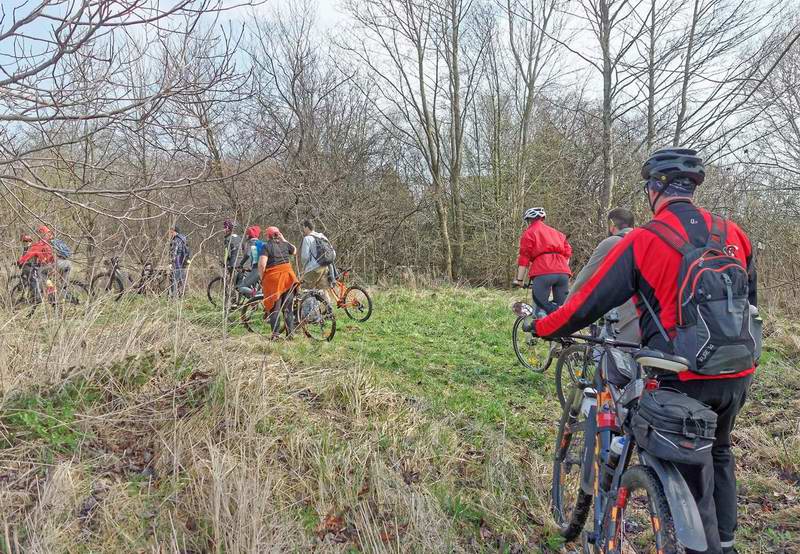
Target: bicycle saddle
660, 360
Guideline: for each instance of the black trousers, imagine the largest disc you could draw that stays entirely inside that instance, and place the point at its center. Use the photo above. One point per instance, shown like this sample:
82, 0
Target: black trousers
714, 485
543, 285
283, 305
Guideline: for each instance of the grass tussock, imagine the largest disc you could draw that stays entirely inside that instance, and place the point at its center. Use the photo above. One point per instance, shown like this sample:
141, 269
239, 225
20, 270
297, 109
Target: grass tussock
144, 427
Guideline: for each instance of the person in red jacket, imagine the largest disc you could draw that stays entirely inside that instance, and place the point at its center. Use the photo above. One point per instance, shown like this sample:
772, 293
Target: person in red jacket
544, 254
644, 266
40, 252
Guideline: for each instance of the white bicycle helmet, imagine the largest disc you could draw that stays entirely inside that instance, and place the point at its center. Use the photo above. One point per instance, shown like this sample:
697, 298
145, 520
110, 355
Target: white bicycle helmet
534, 213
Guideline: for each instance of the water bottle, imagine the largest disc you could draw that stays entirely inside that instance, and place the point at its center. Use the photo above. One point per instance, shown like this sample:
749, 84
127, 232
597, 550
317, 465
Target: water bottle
588, 402
614, 452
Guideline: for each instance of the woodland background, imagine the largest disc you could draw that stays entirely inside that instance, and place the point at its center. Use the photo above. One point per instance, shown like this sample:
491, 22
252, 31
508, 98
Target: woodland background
414, 132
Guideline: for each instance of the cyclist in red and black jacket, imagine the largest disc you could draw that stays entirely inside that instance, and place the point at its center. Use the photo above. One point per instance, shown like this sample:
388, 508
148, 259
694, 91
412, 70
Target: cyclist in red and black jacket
642, 265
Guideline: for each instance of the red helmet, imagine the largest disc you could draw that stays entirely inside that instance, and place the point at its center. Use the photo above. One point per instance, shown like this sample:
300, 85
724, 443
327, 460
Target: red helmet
273, 232
44, 231
253, 232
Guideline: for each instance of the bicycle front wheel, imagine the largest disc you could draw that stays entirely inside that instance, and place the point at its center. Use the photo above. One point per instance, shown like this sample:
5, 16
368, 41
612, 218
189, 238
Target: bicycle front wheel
314, 315
575, 364
76, 293
532, 352
642, 521
357, 304
253, 317
570, 504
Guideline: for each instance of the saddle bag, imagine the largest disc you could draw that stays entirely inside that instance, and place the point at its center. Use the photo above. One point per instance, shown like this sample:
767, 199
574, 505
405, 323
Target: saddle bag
670, 425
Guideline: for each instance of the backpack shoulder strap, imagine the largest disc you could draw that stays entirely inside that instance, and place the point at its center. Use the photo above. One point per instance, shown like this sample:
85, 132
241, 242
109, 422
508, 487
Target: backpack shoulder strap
668, 235
718, 235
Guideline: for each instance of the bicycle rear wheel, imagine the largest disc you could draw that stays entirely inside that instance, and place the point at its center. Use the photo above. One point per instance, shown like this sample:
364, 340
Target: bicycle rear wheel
570, 504
314, 315
574, 364
107, 283
641, 520
531, 351
220, 289
20, 295
77, 292
357, 304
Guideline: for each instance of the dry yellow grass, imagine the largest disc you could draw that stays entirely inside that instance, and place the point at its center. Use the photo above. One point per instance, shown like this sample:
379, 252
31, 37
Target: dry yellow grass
140, 428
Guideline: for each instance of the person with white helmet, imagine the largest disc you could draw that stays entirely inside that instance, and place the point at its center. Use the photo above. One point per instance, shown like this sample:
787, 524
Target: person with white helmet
544, 255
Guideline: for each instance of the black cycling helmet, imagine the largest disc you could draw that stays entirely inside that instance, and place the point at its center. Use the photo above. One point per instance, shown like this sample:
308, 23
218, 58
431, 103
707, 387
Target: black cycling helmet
671, 164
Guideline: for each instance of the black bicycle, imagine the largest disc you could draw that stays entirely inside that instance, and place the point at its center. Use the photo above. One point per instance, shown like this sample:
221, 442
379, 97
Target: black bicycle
313, 315
222, 290
642, 507
115, 281
34, 287
575, 361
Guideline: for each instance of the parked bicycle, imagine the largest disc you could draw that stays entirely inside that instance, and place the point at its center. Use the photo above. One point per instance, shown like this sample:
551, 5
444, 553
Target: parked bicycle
115, 280
607, 421
353, 299
312, 312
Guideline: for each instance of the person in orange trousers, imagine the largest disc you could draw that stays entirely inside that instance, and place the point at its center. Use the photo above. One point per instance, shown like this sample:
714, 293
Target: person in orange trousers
278, 279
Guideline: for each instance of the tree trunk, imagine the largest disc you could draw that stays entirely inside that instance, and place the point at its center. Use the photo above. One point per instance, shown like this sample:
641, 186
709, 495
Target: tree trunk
457, 135
679, 124
606, 194
651, 81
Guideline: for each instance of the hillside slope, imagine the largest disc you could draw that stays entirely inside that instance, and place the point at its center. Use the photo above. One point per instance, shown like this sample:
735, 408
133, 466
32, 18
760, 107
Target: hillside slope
140, 427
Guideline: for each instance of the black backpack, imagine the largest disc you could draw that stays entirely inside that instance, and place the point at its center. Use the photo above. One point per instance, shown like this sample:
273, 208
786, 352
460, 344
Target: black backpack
715, 327
326, 255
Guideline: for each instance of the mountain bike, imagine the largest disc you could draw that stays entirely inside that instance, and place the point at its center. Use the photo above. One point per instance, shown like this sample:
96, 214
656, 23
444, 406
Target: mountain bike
312, 312
574, 360
112, 281
116, 281
353, 299
532, 352
646, 507
34, 287
224, 288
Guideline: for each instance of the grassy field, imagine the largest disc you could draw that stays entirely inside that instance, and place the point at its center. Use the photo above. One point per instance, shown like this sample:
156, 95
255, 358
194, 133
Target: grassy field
142, 427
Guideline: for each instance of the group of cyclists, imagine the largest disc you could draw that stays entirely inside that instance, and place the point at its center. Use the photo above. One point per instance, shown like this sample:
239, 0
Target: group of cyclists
265, 258
671, 295
686, 285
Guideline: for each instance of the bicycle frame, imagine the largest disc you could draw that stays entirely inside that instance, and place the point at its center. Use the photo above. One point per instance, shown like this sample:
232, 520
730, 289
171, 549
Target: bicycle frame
609, 499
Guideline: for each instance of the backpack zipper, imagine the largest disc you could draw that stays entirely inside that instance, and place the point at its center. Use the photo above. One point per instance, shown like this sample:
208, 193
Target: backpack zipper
728, 291
697, 277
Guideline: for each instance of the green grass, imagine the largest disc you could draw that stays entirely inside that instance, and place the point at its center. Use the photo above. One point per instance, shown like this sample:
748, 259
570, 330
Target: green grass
450, 348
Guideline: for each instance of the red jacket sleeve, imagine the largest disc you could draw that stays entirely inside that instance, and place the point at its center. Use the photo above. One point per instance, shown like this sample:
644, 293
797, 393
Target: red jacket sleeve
567, 248
612, 285
527, 248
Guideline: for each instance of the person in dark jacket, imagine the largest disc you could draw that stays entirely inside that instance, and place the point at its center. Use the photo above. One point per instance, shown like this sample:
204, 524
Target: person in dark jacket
179, 261
644, 265
544, 255
620, 223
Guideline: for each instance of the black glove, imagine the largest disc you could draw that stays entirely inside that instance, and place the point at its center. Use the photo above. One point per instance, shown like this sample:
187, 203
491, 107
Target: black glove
516, 284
